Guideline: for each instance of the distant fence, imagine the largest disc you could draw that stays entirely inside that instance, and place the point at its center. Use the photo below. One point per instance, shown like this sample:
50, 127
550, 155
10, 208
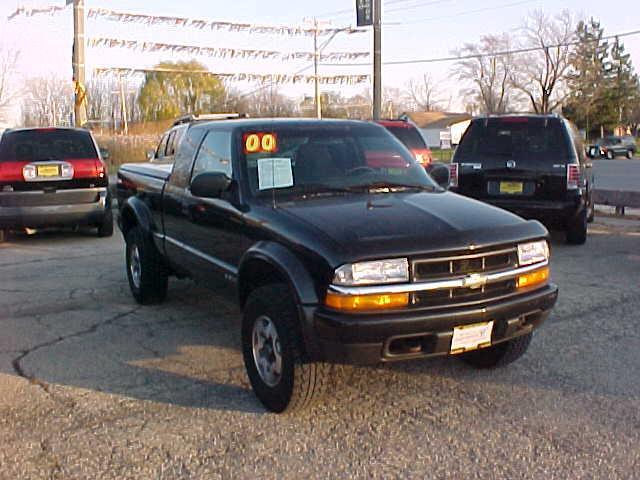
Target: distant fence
617, 198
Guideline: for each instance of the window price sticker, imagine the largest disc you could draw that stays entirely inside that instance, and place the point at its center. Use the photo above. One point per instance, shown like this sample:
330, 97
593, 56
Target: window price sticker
274, 173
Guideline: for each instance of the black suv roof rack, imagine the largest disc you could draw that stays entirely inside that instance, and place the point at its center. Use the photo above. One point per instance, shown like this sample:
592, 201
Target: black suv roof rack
207, 117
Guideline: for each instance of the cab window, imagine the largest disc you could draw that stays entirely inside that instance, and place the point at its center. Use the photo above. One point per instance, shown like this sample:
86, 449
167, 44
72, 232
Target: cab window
162, 146
214, 154
184, 157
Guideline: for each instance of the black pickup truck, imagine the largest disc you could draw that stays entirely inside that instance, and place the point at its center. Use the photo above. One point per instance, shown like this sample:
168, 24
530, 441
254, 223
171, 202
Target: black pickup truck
341, 248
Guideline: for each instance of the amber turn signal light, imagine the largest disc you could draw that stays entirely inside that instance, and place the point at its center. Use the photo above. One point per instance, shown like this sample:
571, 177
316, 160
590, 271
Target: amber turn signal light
366, 302
533, 278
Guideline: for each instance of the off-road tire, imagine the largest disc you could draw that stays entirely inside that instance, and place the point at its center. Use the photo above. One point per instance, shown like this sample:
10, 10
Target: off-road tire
105, 229
577, 229
498, 355
302, 382
153, 275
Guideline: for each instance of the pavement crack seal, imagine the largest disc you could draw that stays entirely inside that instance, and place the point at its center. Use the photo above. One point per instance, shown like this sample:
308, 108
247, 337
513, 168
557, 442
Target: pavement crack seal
17, 362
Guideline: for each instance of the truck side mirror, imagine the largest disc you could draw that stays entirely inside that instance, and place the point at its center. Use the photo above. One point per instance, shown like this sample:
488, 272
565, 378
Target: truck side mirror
210, 184
104, 154
440, 174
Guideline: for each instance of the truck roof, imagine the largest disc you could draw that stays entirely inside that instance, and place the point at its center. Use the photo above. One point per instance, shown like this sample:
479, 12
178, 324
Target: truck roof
282, 122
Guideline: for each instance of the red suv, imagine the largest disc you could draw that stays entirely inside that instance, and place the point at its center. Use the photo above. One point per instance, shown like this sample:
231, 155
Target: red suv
52, 177
409, 135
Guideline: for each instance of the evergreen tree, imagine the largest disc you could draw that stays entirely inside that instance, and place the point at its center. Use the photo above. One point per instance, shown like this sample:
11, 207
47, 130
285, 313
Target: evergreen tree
587, 105
622, 85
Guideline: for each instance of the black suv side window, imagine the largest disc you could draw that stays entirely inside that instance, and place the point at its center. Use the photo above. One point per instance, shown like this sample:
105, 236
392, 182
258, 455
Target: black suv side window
214, 154
184, 157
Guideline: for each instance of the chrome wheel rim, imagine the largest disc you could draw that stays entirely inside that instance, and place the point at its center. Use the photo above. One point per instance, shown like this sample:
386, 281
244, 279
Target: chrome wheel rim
267, 351
134, 266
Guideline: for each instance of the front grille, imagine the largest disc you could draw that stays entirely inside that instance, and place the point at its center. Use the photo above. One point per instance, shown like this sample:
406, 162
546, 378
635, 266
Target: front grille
458, 266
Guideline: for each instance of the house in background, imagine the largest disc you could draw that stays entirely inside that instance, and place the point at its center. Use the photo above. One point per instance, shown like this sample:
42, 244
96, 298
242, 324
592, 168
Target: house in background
431, 124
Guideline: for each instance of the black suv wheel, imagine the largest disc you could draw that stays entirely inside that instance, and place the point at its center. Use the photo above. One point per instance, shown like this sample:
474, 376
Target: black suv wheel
629, 154
147, 277
498, 355
577, 229
273, 351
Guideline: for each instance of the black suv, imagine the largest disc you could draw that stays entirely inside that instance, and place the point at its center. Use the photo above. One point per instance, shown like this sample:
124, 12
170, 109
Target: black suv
532, 165
613, 146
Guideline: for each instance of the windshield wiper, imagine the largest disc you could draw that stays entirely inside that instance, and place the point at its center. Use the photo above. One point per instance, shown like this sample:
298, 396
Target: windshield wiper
382, 184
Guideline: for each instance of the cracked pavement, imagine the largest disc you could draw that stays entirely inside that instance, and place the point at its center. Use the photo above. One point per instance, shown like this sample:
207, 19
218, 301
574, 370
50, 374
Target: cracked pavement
94, 386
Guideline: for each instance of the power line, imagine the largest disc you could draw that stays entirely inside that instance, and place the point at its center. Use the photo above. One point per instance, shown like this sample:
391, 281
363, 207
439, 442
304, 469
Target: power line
484, 55
466, 12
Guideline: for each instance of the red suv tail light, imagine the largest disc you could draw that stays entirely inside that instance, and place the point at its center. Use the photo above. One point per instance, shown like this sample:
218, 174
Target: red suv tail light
422, 156
573, 176
453, 174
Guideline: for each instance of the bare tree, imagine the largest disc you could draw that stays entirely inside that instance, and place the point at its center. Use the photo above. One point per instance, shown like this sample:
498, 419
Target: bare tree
269, 102
8, 63
48, 101
541, 75
487, 69
423, 94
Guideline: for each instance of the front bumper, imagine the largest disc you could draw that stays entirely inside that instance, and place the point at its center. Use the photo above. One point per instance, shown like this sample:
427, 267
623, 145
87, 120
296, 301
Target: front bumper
373, 338
35, 209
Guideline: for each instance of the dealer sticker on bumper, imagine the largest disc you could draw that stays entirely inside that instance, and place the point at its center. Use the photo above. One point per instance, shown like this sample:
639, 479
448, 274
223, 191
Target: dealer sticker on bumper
470, 337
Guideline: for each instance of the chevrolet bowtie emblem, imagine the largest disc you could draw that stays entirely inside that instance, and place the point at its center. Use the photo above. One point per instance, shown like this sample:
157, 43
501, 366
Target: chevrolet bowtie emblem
475, 280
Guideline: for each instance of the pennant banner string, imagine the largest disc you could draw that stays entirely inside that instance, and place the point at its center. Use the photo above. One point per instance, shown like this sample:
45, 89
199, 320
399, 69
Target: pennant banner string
242, 77
125, 17
221, 52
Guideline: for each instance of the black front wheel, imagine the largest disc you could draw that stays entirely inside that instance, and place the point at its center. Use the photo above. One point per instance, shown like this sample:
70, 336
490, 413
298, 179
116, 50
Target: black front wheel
147, 276
629, 154
498, 355
280, 374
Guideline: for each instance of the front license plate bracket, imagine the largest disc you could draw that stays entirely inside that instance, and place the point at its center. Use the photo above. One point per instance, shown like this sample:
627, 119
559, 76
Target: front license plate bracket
471, 337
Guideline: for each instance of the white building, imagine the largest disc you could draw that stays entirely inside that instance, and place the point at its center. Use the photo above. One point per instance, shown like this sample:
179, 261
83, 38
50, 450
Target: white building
431, 124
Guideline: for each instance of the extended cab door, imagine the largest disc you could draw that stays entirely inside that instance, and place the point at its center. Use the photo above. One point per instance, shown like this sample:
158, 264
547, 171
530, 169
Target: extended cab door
204, 237
215, 227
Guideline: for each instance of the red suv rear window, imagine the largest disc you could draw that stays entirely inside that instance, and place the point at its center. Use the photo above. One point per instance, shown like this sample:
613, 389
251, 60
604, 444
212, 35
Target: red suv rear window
46, 144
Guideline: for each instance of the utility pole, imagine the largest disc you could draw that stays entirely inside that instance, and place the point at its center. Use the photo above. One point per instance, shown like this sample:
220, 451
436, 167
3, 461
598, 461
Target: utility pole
123, 108
316, 60
79, 63
377, 59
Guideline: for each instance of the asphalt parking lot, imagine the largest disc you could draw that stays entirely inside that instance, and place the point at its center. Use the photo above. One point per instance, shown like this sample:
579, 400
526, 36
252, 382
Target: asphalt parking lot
94, 386
618, 174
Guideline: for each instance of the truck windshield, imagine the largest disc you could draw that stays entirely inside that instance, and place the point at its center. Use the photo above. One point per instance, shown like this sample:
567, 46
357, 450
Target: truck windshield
46, 144
307, 160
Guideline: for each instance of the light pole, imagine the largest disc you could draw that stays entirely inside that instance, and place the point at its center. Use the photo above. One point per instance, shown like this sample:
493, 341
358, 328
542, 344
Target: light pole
79, 63
377, 59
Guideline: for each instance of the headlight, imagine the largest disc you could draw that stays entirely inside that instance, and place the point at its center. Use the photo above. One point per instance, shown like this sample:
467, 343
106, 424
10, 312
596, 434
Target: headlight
380, 271
533, 252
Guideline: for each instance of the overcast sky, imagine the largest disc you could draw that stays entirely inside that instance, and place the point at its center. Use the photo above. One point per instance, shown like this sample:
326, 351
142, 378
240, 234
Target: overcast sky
412, 29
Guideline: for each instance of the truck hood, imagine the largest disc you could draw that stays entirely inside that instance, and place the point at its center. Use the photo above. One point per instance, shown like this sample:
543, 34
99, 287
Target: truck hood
371, 225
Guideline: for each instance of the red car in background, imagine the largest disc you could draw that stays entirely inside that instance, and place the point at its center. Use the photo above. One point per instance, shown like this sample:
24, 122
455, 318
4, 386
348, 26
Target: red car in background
409, 135
52, 177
